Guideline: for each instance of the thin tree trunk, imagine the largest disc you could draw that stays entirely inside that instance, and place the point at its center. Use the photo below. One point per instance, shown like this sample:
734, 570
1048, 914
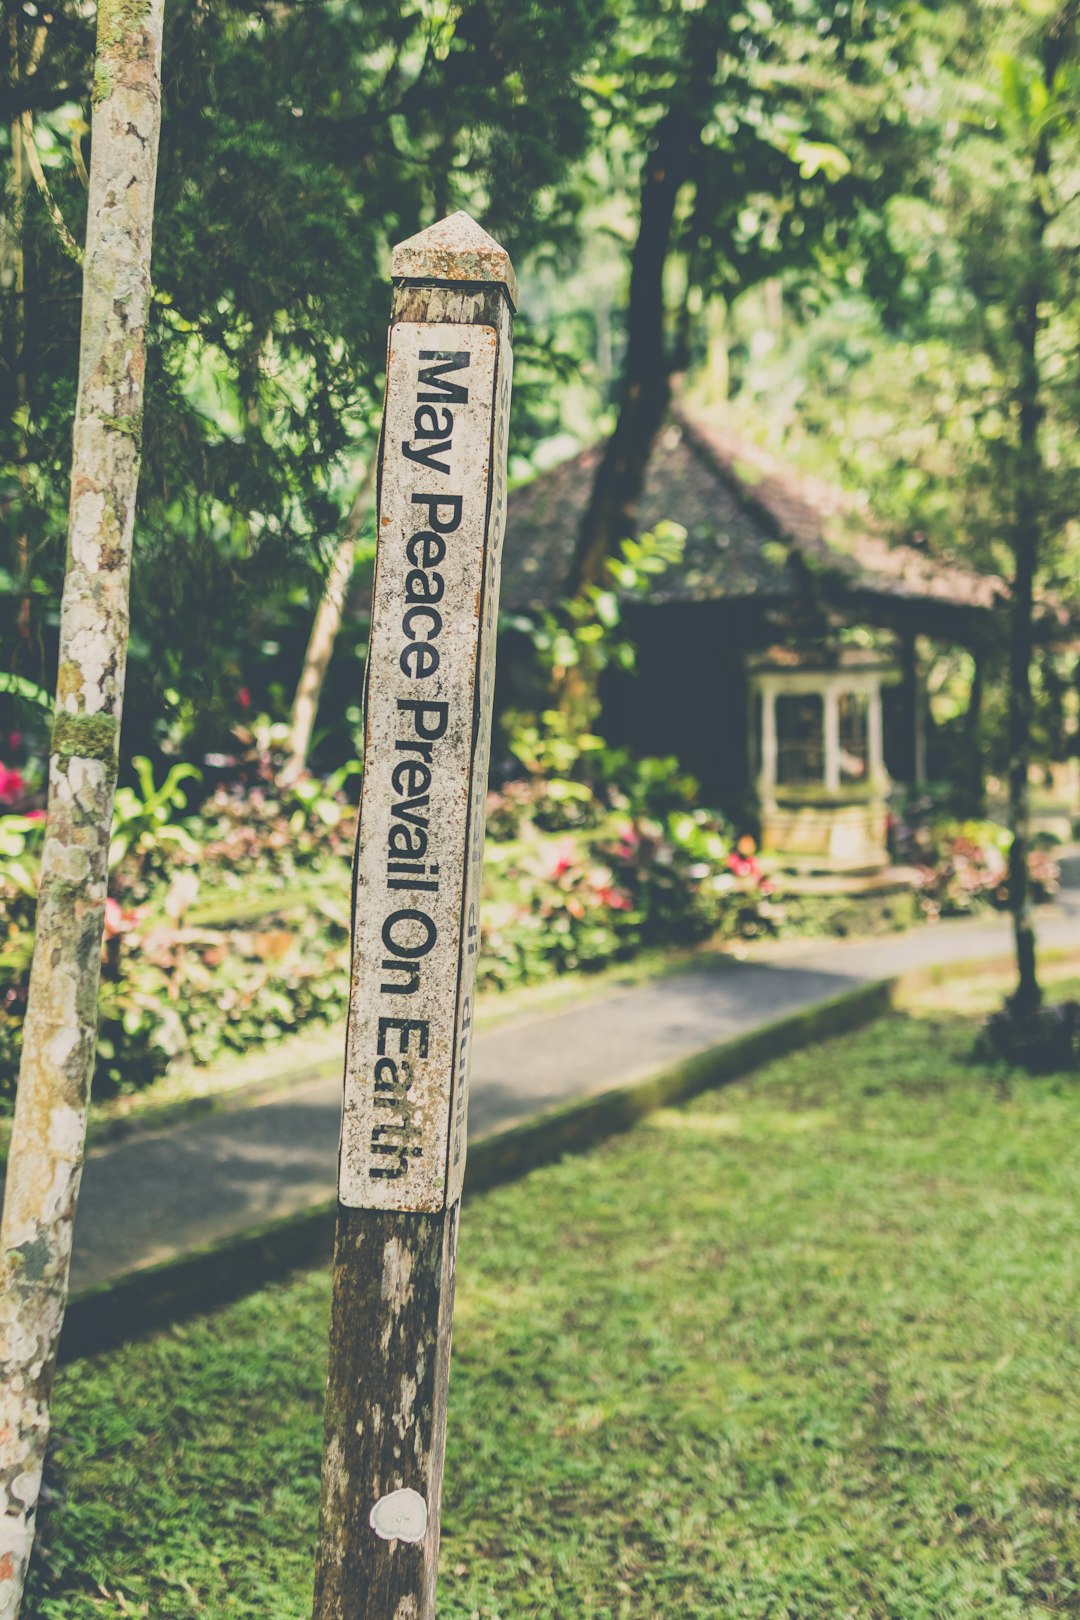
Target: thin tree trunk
1026, 553
324, 632
60, 1031
1026, 541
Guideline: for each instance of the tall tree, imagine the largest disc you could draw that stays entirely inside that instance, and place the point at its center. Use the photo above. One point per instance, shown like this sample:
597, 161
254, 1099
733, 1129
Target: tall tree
1037, 97
743, 174
299, 141
45, 1160
952, 394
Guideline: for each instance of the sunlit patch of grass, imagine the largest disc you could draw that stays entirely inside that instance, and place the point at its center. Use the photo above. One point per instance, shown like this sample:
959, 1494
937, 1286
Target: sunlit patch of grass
977, 994
808, 1348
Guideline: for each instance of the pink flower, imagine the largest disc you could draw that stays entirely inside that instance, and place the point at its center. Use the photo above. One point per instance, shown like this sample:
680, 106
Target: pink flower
35, 815
565, 857
243, 697
741, 865
15, 739
12, 786
613, 898
117, 920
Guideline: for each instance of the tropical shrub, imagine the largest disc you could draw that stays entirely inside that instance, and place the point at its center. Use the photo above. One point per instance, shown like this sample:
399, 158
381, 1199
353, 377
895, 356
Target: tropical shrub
963, 866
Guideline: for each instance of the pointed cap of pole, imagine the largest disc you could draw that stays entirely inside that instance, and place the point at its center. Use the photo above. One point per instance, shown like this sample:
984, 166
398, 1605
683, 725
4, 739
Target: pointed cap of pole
454, 249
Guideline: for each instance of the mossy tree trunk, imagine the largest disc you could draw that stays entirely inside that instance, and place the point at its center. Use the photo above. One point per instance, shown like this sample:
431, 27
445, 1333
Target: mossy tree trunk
60, 1031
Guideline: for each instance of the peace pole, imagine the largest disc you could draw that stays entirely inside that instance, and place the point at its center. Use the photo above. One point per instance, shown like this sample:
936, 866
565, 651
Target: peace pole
427, 734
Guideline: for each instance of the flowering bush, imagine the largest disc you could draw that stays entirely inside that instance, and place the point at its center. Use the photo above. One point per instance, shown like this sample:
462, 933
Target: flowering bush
548, 908
251, 826
582, 900
964, 865
167, 988
682, 873
580, 873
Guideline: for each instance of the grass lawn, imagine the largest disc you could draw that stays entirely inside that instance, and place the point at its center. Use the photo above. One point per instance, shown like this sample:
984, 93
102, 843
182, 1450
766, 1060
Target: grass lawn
807, 1348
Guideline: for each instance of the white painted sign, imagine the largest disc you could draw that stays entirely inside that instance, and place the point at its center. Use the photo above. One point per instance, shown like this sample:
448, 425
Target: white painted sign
427, 729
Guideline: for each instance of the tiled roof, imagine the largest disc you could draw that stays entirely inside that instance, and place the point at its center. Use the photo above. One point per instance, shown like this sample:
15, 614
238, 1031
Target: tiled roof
755, 528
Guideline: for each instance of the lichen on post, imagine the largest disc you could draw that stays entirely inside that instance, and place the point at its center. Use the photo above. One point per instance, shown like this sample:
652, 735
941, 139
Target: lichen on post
60, 1030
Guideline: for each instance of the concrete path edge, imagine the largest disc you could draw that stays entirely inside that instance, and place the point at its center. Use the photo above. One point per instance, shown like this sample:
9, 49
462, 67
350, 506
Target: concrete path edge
205, 1278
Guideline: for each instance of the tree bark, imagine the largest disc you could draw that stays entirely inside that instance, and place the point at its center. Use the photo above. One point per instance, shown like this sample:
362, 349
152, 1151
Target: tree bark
646, 386
18, 203
60, 1031
1026, 555
324, 630
1027, 536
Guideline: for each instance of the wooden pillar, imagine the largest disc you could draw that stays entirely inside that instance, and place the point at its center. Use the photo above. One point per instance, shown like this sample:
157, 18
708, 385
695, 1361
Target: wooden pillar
831, 697
767, 776
920, 722
913, 744
427, 728
874, 736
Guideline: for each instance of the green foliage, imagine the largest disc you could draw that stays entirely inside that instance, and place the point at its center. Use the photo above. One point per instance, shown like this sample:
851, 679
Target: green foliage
582, 636
963, 866
170, 991
28, 691
915, 392
795, 1349
144, 824
297, 145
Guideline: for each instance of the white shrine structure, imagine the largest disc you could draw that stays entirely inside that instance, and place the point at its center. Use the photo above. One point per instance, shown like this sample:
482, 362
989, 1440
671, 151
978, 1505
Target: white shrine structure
818, 757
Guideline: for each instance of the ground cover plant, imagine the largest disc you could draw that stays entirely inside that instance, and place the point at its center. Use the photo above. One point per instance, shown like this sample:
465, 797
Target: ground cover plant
805, 1348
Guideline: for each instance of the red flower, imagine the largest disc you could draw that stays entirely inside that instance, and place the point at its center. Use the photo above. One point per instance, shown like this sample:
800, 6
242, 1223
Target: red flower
243, 697
35, 815
613, 898
12, 786
743, 865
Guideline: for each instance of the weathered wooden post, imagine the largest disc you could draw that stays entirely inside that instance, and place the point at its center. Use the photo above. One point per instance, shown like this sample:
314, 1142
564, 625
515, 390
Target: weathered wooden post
441, 503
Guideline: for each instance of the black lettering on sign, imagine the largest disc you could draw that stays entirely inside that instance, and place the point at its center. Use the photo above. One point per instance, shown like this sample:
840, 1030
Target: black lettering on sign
435, 504
434, 377
433, 424
433, 729
419, 660
406, 1028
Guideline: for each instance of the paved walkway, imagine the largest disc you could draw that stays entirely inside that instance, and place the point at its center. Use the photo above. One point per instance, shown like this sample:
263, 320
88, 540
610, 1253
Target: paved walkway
158, 1194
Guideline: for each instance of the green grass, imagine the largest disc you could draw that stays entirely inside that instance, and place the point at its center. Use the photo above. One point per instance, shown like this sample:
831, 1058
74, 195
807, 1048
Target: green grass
808, 1348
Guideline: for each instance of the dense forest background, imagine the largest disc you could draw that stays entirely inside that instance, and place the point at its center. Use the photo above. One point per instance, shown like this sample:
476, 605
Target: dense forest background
855, 223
